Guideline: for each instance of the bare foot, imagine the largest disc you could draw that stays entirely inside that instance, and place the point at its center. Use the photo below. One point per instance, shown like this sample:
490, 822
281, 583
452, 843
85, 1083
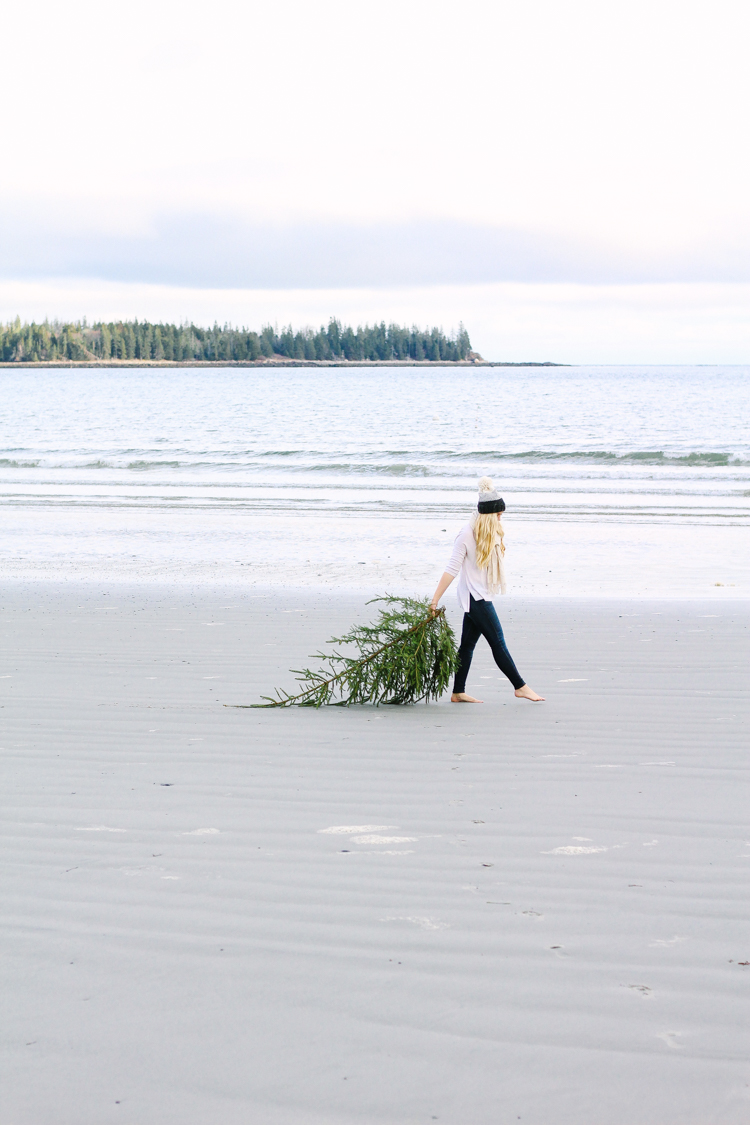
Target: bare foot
462, 697
526, 692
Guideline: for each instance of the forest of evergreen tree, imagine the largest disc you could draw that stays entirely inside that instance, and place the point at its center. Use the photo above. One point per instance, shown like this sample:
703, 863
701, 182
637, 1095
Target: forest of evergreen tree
140, 340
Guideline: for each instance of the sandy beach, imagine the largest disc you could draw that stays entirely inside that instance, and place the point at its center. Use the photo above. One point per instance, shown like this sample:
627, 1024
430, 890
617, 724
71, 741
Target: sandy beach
472, 915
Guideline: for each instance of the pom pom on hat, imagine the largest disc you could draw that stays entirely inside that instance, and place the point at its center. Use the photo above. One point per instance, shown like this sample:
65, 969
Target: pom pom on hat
486, 485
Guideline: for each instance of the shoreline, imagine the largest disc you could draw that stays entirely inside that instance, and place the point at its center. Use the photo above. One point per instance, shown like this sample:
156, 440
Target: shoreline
143, 540
273, 363
203, 584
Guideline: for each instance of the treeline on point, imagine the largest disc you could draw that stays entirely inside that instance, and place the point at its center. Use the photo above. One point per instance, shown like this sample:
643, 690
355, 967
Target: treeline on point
140, 340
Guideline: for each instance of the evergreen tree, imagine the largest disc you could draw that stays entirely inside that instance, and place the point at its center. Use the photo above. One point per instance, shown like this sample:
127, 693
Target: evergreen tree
409, 654
128, 340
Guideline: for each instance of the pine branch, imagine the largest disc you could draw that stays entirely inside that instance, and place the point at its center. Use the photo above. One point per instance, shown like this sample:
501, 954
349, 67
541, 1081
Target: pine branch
406, 656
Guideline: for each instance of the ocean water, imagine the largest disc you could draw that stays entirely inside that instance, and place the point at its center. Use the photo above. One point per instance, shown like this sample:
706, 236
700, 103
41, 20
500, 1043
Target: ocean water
621, 480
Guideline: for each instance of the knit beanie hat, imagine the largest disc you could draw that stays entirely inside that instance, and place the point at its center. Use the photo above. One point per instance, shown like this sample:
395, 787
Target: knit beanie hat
489, 500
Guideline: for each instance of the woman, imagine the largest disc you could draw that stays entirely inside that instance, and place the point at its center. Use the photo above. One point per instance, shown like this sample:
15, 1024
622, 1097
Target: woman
478, 556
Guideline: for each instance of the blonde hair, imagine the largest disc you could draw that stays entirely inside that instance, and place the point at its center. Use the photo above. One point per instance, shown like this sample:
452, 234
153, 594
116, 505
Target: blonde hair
488, 532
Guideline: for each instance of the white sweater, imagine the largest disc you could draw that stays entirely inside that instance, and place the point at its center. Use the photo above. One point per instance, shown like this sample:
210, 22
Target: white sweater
463, 562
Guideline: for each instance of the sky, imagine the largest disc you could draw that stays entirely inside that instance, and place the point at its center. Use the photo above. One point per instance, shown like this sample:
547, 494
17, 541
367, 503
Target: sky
572, 176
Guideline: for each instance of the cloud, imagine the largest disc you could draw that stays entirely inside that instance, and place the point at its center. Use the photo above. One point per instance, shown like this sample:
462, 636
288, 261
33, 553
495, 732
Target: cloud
207, 250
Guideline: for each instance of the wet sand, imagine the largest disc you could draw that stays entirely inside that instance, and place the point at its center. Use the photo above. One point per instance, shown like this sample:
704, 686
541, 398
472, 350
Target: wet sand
472, 915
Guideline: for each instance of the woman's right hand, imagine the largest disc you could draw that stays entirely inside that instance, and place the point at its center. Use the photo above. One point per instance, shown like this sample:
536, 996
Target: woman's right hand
442, 586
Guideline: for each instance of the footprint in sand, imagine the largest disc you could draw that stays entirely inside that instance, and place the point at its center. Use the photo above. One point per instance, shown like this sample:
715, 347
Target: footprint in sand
642, 988
353, 829
101, 828
384, 839
670, 1038
423, 923
371, 835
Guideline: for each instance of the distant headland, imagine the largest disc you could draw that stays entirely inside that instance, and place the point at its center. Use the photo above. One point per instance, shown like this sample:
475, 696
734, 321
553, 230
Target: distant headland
139, 343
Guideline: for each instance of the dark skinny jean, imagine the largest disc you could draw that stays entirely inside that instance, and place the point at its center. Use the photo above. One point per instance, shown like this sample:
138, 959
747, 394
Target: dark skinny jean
482, 621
